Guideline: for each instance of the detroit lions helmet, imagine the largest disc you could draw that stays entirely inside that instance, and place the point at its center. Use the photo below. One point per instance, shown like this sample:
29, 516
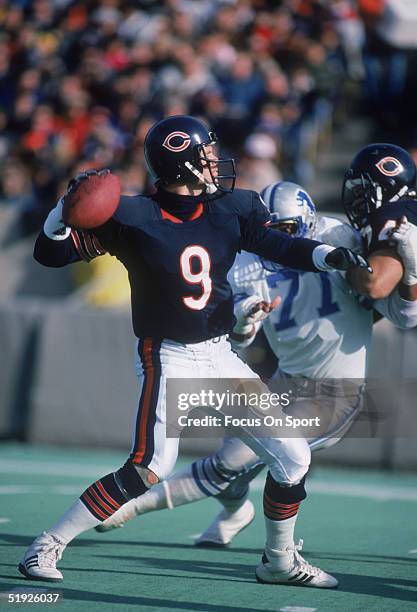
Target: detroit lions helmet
379, 175
292, 209
175, 151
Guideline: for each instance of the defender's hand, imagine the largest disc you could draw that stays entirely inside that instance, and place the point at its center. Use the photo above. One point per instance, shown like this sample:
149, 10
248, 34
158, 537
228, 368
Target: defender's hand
404, 238
342, 258
251, 311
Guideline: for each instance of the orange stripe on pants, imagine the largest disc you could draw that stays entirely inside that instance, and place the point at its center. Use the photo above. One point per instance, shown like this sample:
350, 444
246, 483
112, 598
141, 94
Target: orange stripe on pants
147, 398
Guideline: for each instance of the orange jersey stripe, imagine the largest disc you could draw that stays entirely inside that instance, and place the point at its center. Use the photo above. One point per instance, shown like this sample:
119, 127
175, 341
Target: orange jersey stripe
147, 397
198, 212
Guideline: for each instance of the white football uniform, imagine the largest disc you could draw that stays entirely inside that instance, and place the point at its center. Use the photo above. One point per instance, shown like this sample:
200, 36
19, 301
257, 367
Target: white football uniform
322, 329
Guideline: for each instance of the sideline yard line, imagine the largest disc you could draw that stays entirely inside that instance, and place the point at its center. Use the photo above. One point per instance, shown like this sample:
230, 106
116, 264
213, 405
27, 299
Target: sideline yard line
39, 489
339, 489
45, 468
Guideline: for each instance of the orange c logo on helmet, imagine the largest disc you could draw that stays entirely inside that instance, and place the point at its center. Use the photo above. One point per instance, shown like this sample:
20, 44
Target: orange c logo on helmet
390, 166
177, 142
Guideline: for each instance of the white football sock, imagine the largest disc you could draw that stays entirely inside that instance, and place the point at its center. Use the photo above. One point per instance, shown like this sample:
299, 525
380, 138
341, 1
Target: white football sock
75, 520
188, 486
279, 535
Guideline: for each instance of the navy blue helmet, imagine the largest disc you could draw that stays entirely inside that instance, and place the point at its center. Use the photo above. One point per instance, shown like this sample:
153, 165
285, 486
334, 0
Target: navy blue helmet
379, 175
175, 151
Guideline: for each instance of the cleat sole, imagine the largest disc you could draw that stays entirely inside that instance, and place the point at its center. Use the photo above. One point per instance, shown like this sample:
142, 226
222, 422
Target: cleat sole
25, 573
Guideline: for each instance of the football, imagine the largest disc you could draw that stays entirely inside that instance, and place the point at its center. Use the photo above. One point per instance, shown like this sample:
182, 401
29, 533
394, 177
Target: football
92, 202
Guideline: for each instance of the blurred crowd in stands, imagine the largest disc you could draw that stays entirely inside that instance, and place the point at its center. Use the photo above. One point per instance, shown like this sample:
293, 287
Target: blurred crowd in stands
81, 81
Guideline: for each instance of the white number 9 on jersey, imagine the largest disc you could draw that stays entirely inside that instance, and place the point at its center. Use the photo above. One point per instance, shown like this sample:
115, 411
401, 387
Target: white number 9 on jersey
202, 277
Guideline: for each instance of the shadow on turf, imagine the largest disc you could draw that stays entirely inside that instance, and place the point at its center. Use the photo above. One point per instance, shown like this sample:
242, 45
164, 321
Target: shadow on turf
209, 570
146, 603
386, 588
363, 558
236, 570
9, 539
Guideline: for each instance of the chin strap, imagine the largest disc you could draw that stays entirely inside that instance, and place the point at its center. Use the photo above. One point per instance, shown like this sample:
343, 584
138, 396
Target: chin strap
210, 187
403, 191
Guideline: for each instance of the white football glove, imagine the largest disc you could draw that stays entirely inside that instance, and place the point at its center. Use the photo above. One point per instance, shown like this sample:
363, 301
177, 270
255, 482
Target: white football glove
251, 312
404, 238
54, 227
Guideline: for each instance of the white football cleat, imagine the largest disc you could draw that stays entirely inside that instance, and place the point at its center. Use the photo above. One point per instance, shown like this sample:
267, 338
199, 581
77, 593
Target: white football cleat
226, 526
125, 513
39, 562
290, 568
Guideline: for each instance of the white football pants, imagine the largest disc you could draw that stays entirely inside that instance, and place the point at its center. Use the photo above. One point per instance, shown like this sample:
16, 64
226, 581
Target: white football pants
288, 459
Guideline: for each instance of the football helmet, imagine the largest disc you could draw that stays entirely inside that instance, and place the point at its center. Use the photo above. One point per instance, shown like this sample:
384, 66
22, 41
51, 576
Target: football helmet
176, 154
379, 175
292, 209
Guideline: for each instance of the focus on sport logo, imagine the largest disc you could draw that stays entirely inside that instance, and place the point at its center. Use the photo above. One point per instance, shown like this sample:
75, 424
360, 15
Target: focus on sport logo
177, 142
390, 166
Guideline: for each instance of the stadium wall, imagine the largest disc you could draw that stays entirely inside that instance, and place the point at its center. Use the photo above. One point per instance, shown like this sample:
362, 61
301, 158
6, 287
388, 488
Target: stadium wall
67, 378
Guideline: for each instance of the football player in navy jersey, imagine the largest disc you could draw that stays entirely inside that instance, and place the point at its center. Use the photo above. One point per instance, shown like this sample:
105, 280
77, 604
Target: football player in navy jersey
178, 246
379, 198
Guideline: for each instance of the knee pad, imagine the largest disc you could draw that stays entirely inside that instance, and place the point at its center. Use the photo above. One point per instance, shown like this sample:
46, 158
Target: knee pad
284, 494
129, 480
291, 461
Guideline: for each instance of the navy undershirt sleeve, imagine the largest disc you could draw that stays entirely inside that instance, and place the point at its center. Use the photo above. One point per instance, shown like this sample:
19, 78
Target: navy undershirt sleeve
55, 253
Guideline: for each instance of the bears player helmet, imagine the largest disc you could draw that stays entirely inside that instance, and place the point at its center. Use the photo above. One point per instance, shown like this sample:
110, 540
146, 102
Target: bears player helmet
379, 174
176, 154
292, 209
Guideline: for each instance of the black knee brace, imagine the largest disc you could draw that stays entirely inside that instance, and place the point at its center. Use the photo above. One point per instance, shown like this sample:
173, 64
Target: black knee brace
129, 480
285, 495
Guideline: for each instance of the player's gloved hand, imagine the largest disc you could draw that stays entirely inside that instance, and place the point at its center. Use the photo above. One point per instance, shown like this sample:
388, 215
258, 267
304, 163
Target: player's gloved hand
77, 180
54, 227
251, 312
404, 237
342, 258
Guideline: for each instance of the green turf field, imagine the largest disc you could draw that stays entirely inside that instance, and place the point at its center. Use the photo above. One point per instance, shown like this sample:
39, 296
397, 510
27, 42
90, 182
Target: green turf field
359, 525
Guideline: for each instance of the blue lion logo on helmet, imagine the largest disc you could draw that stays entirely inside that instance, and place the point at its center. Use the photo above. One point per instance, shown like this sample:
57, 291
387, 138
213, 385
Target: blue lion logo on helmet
304, 198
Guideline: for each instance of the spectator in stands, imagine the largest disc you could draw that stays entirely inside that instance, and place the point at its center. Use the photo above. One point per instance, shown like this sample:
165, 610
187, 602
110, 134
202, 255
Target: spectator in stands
258, 163
81, 81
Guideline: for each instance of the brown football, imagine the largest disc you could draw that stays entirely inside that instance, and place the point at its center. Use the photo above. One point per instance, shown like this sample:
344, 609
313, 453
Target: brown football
93, 202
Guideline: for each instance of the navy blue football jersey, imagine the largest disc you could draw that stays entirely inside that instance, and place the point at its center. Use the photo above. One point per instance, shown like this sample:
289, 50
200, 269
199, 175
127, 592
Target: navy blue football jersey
375, 233
178, 270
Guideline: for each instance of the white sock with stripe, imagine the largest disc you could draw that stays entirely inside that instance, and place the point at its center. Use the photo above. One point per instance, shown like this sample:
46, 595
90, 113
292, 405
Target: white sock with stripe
195, 482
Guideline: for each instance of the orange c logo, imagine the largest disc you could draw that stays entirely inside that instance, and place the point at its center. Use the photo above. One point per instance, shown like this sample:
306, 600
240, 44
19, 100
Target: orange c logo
177, 142
390, 166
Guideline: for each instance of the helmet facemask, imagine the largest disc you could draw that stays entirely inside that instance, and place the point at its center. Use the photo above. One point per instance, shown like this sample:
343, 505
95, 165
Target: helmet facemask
214, 172
362, 196
293, 226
